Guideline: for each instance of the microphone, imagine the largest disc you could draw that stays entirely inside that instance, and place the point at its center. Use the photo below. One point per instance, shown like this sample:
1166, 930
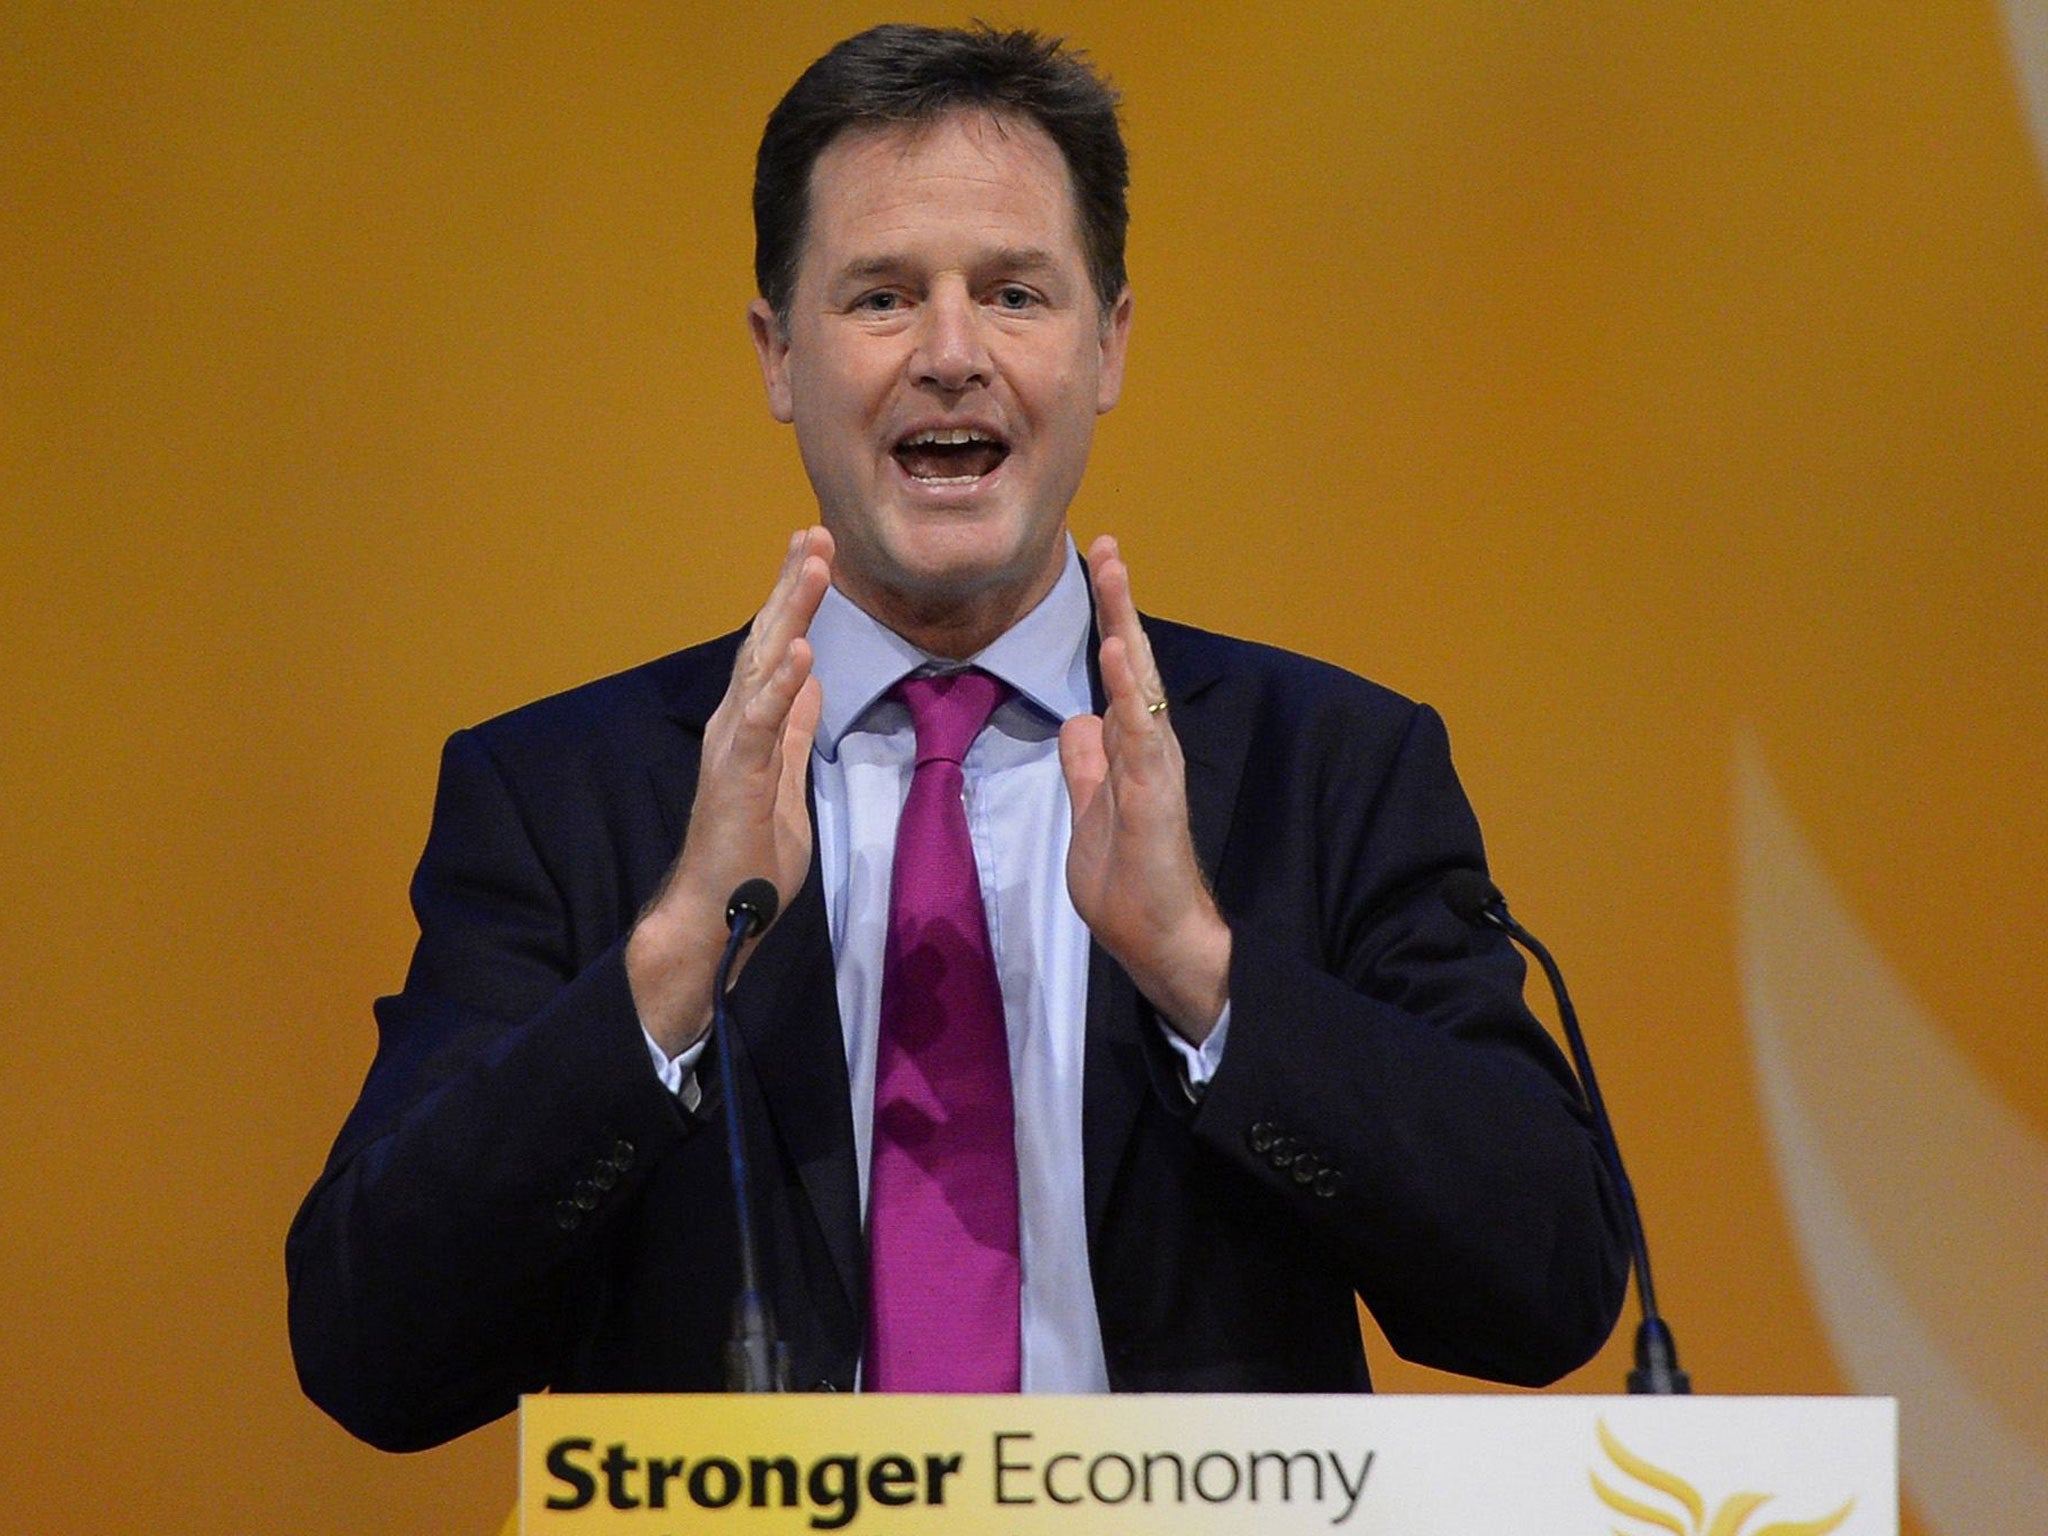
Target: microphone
755, 1360
754, 903
1476, 899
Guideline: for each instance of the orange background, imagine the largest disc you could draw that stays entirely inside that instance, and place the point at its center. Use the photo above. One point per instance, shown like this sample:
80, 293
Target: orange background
1616, 378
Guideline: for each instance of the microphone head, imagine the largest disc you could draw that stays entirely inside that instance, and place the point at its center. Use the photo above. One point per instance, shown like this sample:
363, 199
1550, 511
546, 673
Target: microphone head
1470, 894
755, 903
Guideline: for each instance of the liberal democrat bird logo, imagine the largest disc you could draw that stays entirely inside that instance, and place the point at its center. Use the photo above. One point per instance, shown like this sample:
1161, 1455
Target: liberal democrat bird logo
1691, 1518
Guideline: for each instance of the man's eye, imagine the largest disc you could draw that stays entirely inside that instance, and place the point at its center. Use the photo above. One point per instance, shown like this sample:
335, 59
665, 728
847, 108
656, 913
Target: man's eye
1013, 297
879, 303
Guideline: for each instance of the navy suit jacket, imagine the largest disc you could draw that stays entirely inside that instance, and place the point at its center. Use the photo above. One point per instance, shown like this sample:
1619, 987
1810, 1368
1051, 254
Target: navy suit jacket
516, 1203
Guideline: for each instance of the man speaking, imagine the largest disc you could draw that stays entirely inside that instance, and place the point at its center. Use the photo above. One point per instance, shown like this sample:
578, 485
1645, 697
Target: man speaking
1113, 1035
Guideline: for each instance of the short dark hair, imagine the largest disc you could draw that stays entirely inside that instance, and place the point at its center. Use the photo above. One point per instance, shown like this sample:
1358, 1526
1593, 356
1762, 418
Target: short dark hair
912, 76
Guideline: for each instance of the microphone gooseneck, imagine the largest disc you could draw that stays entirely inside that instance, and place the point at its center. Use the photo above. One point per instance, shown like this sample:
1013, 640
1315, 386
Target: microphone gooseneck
755, 1360
1477, 900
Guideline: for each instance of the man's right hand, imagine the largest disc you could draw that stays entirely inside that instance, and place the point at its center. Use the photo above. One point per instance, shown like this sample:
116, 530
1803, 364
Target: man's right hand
751, 815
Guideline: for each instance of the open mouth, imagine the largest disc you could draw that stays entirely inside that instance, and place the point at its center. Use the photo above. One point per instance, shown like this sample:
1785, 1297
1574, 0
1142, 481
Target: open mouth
950, 455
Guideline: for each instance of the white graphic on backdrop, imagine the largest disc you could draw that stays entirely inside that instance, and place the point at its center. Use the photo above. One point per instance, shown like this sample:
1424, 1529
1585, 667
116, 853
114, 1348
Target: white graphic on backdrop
1918, 1199
2026, 27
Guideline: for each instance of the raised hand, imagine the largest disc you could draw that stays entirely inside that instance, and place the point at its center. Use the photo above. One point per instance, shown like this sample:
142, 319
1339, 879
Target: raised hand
1131, 867
750, 816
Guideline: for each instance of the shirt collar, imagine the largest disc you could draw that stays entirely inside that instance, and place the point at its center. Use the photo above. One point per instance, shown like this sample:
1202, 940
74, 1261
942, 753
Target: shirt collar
1043, 656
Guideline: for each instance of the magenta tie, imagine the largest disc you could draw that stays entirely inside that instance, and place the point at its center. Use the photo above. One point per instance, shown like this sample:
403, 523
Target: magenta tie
944, 1271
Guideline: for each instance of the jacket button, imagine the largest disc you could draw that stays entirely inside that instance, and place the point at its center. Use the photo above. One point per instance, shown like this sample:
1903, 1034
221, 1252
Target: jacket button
1327, 1182
1260, 1137
1306, 1168
567, 1216
622, 1155
604, 1176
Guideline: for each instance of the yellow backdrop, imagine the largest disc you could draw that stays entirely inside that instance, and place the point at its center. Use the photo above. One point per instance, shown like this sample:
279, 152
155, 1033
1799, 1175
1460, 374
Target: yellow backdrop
1658, 390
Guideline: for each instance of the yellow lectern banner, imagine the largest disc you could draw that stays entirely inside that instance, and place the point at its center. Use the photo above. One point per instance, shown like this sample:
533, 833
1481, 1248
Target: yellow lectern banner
1120, 1466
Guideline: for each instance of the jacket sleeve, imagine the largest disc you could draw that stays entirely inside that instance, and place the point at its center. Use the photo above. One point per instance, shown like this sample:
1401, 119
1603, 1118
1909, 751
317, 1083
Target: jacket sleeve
506, 1123
1384, 1080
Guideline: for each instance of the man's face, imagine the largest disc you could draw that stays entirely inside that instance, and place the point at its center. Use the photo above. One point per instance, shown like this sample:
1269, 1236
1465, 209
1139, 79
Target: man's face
944, 362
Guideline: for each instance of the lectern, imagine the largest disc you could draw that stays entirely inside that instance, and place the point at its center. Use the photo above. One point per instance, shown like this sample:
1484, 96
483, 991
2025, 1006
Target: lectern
1262, 1466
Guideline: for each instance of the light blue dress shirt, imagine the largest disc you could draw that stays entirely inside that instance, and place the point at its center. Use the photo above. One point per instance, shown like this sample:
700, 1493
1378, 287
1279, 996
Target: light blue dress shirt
1019, 819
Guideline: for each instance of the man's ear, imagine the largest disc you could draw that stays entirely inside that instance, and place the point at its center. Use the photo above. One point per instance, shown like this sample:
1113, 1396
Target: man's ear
771, 346
1115, 343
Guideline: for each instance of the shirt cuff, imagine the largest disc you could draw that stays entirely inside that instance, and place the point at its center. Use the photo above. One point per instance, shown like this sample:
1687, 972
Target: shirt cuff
1199, 1062
678, 1074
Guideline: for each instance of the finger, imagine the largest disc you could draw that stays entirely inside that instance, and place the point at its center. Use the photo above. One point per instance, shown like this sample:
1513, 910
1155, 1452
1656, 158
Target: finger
773, 665
1112, 582
765, 716
807, 588
1117, 612
798, 733
792, 602
1083, 762
785, 573
799, 587
1119, 681
1130, 718
801, 729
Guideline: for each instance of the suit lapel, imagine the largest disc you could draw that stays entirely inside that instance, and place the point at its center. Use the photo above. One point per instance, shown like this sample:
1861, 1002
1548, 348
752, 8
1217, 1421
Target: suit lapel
785, 1007
1124, 1049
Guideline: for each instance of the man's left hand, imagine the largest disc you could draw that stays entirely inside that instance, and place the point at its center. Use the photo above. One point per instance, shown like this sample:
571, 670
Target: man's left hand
1131, 866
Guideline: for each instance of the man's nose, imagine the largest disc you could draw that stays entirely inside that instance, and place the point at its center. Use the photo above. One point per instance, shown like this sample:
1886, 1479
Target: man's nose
952, 350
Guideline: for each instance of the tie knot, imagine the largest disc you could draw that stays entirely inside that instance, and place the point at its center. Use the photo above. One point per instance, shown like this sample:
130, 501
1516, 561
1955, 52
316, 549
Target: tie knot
948, 710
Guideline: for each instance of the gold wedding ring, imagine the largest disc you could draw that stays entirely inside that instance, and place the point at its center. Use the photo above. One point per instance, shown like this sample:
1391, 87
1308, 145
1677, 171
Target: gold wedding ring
1156, 709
